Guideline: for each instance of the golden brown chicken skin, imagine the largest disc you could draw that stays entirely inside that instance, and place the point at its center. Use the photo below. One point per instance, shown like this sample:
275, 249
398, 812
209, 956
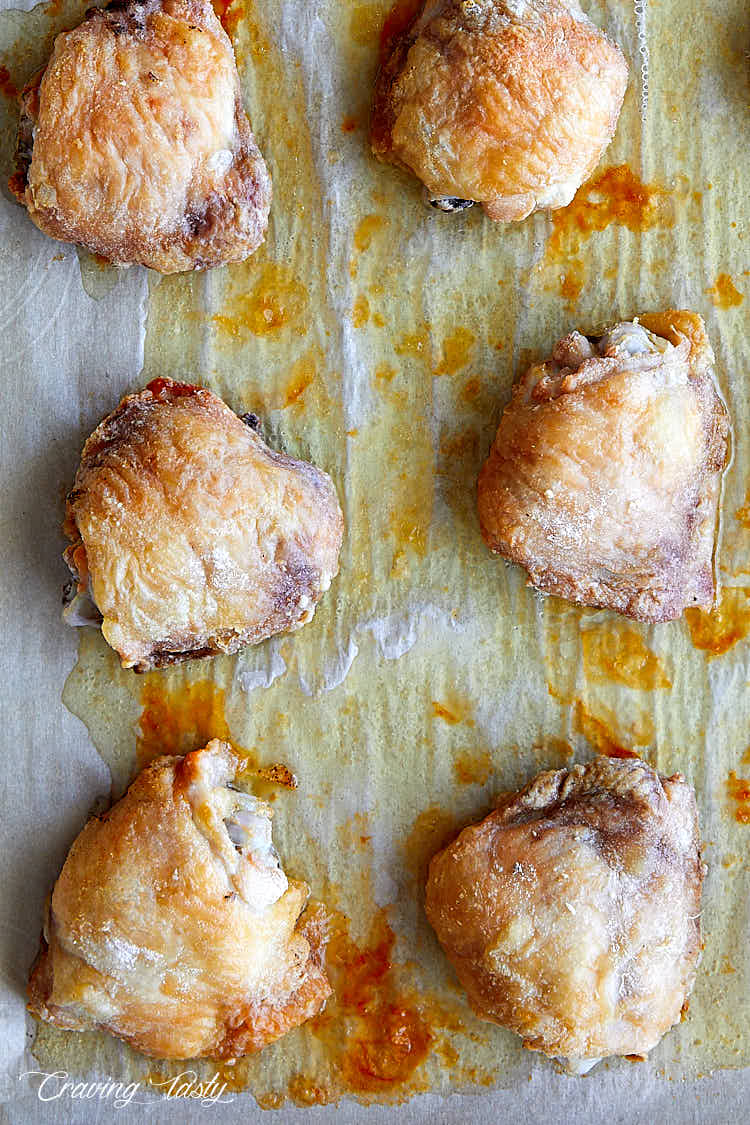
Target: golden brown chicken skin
571, 914
134, 143
604, 477
172, 924
507, 103
189, 536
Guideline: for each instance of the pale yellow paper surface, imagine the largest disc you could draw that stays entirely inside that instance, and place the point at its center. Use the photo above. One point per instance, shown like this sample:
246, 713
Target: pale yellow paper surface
379, 340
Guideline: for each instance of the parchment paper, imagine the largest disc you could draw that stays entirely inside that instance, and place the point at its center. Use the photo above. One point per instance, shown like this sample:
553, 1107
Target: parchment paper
380, 340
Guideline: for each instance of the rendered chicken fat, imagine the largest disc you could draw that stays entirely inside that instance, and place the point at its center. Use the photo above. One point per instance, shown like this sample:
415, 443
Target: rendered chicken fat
133, 140
507, 103
571, 914
604, 478
172, 924
189, 536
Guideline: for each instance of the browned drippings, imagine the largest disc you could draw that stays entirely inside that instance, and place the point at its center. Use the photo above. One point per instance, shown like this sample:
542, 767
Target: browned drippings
456, 351
453, 709
472, 767
180, 719
364, 24
431, 831
7, 85
277, 302
184, 717
350, 124
366, 230
614, 196
724, 293
401, 15
742, 515
229, 14
619, 654
373, 1029
718, 630
738, 789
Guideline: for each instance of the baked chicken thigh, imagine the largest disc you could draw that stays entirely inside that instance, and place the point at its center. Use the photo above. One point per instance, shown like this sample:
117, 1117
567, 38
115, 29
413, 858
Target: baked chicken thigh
604, 477
572, 913
507, 103
134, 143
172, 924
189, 536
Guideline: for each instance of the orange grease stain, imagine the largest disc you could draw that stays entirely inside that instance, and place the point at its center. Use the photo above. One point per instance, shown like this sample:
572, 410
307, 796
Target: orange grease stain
349, 124
361, 311
366, 230
572, 280
277, 302
472, 767
604, 739
723, 626
738, 789
619, 654
743, 514
385, 1035
724, 293
453, 711
615, 195
303, 375
431, 831
456, 352
414, 344
472, 389
177, 720
461, 447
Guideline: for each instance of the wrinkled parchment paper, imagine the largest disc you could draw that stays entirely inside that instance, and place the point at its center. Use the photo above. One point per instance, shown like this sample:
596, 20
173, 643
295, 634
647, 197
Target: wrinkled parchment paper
380, 340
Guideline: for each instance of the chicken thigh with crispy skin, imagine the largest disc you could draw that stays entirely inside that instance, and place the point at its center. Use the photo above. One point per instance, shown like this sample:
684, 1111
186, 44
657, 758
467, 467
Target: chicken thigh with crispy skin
134, 142
604, 477
172, 924
507, 103
572, 913
189, 536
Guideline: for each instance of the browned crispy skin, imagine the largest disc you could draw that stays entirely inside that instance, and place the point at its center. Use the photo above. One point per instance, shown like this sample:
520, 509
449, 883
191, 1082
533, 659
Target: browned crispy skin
604, 478
164, 931
134, 142
508, 103
191, 535
572, 913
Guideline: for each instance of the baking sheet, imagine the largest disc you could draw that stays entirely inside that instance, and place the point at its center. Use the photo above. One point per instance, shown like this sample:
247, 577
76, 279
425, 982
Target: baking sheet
380, 340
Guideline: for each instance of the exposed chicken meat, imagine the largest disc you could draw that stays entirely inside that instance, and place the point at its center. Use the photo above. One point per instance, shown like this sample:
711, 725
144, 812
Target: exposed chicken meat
172, 924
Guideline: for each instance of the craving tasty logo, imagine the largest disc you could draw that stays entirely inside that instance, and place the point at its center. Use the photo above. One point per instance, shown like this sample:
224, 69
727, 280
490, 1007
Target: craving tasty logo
56, 1085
